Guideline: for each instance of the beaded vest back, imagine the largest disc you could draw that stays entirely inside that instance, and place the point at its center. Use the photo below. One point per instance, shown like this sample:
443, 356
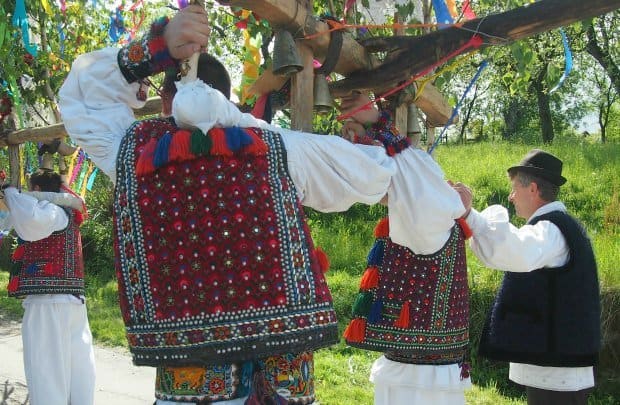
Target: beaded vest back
414, 308
53, 265
215, 261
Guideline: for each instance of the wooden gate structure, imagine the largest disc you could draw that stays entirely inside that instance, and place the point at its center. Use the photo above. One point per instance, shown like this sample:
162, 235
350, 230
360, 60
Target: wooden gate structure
357, 64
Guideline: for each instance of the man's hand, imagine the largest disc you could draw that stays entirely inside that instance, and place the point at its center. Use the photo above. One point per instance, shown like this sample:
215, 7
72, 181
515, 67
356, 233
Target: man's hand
187, 32
351, 129
465, 194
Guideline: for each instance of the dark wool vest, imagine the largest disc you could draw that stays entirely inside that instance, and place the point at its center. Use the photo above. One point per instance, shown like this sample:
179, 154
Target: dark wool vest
215, 261
53, 265
414, 308
549, 317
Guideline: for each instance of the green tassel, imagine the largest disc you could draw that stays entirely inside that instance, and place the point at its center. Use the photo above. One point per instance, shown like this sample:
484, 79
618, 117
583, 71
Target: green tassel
362, 304
200, 144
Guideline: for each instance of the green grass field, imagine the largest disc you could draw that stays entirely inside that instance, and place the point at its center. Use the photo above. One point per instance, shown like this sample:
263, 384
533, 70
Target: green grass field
592, 194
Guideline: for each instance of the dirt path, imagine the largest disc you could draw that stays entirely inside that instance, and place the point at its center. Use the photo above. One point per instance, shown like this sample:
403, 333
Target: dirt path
118, 382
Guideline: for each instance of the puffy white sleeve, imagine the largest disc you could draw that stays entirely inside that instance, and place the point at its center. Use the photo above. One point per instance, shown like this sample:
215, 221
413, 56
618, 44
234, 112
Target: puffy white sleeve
502, 246
96, 105
422, 205
33, 219
331, 174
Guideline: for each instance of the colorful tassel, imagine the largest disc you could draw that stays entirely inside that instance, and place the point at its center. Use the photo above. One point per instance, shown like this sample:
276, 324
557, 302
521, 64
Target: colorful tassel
32, 269
375, 257
13, 284
322, 258
262, 392
376, 311
180, 146
382, 229
403, 318
78, 217
18, 254
200, 144
247, 370
356, 331
237, 138
144, 165
160, 157
465, 228
362, 304
370, 279
219, 148
258, 146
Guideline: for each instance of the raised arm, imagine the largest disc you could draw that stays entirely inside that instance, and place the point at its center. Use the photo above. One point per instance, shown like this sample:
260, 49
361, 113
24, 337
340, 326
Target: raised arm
98, 96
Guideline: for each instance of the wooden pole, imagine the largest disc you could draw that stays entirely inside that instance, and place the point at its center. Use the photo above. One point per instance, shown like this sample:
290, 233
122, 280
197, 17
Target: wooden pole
302, 89
419, 53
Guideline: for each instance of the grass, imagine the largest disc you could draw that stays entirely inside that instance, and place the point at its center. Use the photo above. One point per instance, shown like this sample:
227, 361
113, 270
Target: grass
592, 194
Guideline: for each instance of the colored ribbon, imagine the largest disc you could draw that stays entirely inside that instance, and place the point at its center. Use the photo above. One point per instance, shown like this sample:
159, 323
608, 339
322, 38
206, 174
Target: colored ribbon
442, 14
458, 105
568, 64
20, 19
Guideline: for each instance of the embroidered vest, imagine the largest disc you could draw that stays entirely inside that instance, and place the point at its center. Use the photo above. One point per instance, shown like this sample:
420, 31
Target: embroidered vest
53, 265
215, 261
415, 308
549, 317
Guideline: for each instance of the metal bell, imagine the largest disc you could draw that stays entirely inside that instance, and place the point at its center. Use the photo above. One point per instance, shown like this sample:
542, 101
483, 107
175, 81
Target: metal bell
413, 120
286, 59
323, 101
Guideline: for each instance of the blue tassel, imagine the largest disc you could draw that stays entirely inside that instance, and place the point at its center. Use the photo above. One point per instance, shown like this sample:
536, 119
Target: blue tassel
376, 311
247, 370
375, 257
160, 157
237, 138
32, 269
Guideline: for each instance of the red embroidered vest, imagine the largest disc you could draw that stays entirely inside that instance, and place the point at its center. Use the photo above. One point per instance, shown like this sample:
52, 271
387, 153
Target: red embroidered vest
414, 308
215, 262
53, 265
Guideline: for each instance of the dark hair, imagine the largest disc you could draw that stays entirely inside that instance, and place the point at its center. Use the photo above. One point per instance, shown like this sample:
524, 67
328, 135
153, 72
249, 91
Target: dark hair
546, 190
210, 70
46, 179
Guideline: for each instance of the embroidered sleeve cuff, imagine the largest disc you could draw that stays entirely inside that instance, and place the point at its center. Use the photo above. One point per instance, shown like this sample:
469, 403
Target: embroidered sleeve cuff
146, 56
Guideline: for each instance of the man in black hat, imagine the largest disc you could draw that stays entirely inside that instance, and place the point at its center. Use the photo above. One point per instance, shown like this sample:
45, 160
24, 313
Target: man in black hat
546, 316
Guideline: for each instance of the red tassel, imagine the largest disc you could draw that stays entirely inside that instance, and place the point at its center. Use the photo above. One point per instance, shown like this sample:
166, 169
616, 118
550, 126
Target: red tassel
258, 146
78, 217
370, 279
219, 148
13, 284
145, 160
465, 227
180, 146
382, 230
322, 259
403, 318
18, 254
356, 331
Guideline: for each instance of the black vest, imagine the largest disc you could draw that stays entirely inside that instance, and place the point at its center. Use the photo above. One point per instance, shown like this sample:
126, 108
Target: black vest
550, 316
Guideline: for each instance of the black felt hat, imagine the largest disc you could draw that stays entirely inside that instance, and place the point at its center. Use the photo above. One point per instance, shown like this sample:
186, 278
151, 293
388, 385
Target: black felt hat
541, 164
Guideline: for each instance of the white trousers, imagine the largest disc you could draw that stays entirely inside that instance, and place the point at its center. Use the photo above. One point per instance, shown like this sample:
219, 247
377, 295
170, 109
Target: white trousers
59, 361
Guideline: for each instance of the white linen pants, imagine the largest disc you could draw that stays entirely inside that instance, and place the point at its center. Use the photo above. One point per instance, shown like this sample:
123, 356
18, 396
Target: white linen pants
59, 361
413, 384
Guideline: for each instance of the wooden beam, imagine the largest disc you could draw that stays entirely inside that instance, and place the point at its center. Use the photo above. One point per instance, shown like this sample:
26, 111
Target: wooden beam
353, 57
302, 88
56, 131
418, 53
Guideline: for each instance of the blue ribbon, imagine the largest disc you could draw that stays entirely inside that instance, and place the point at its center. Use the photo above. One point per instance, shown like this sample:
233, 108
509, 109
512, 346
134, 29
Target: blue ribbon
20, 19
442, 14
568, 64
91, 179
117, 25
455, 111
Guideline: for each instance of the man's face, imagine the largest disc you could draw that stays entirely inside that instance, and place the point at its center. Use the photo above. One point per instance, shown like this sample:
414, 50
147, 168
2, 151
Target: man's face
521, 197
